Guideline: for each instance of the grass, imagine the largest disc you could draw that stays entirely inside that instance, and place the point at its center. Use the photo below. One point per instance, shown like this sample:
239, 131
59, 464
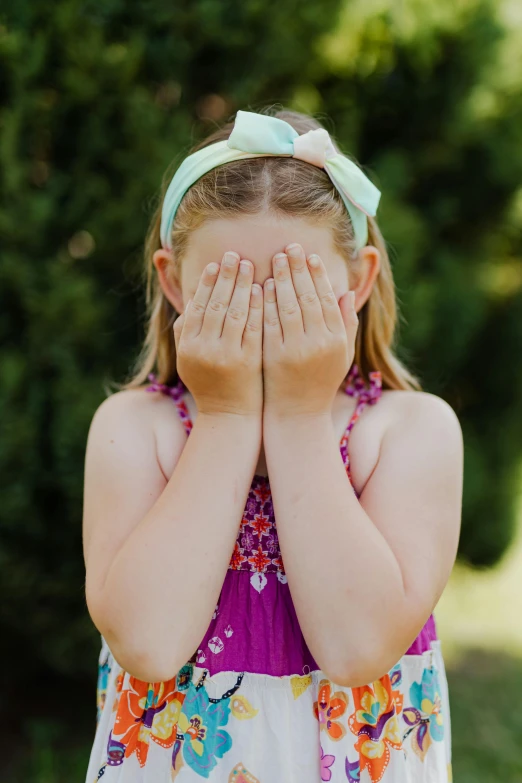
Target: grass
485, 693
484, 609
50, 754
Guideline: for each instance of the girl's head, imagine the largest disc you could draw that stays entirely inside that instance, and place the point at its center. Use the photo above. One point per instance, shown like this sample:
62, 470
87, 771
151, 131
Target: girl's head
257, 206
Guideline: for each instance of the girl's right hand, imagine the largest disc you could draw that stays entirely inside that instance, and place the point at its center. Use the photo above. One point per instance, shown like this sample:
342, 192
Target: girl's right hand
219, 340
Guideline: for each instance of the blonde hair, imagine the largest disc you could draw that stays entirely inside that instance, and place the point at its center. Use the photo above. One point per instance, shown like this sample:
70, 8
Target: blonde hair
284, 186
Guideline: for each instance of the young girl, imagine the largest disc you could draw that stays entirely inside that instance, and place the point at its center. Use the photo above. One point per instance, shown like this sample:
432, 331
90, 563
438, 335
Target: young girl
234, 649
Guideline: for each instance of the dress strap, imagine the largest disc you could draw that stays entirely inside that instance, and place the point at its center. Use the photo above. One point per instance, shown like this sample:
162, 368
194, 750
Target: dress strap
355, 387
365, 395
176, 394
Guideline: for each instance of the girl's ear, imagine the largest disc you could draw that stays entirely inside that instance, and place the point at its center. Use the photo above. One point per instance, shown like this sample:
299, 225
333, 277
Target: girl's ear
368, 269
163, 260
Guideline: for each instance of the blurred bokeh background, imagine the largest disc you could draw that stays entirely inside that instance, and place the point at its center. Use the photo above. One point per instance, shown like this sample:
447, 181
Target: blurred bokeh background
97, 98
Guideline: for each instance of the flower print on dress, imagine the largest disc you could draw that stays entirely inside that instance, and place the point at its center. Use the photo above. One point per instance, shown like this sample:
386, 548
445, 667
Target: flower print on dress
396, 682
376, 725
104, 670
115, 752
120, 679
200, 725
261, 489
272, 544
247, 540
261, 525
259, 560
237, 559
257, 545
328, 708
396, 676
424, 717
251, 508
240, 774
203, 729
241, 707
327, 761
146, 711
300, 683
119, 685
353, 770
184, 677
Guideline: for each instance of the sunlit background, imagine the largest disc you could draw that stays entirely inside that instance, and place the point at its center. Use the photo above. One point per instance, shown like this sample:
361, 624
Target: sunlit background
97, 98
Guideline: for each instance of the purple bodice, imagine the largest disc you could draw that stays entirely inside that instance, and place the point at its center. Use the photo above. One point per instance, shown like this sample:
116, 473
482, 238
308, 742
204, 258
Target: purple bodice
254, 627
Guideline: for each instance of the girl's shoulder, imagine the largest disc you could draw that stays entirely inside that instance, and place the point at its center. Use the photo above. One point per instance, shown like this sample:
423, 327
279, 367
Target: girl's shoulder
404, 411
405, 403
141, 402
412, 427
138, 418
420, 422
400, 405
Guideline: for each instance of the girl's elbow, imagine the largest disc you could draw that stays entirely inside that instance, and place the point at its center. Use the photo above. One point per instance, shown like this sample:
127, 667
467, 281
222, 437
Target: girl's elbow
359, 668
145, 664
349, 674
133, 650
157, 662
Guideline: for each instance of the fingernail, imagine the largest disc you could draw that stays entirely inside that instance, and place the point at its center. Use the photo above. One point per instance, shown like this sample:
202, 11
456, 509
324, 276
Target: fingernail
230, 258
270, 285
293, 250
352, 295
280, 260
256, 289
314, 260
213, 268
245, 267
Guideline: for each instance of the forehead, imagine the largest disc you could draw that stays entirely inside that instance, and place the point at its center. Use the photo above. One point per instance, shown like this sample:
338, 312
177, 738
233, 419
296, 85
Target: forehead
258, 238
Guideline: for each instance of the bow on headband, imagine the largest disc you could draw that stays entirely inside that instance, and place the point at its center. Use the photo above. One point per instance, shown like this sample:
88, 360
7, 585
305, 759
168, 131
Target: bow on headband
258, 135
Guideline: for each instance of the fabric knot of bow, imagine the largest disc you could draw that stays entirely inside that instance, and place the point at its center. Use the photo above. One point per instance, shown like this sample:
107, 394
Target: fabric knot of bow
314, 147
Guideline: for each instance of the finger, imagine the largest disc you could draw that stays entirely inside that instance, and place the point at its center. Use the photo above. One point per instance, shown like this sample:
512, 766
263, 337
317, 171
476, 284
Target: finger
254, 326
349, 313
272, 324
331, 312
219, 301
178, 326
311, 310
193, 321
237, 312
287, 305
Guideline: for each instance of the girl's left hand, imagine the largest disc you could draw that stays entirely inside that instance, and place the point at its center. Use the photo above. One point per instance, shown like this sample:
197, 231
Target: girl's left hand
309, 337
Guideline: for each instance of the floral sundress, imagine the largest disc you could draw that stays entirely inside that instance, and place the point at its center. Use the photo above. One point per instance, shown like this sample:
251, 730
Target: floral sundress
252, 706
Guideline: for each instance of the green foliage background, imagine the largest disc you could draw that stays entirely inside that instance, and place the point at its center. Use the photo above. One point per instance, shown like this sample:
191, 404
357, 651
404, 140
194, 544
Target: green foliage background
97, 98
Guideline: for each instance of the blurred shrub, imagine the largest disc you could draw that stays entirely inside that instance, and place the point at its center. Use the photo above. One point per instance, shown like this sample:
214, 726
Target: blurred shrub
96, 99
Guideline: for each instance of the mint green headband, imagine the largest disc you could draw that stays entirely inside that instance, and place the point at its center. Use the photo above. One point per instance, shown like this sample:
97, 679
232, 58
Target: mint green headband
258, 135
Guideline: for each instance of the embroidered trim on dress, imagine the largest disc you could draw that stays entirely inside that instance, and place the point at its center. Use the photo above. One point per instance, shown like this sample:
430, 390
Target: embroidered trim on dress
365, 395
176, 393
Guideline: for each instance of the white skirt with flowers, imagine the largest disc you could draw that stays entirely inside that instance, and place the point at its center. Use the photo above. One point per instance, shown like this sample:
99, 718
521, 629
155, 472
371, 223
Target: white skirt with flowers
254, 728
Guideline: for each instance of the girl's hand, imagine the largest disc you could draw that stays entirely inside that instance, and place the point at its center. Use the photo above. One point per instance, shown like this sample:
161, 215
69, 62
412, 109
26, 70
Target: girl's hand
309, 338
219, 340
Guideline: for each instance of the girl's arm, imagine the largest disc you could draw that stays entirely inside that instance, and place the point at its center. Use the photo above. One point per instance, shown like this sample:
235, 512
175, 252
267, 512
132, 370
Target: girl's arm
364, 575
156, 551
